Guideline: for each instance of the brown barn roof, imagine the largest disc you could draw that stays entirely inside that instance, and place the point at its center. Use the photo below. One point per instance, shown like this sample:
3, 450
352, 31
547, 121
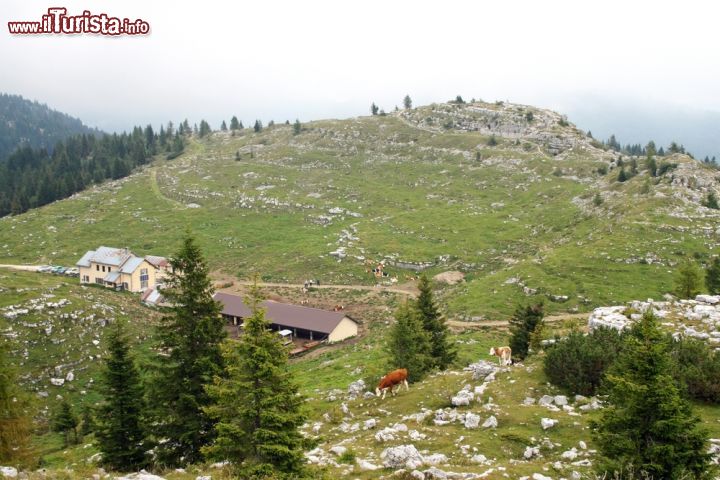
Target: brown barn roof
285, 314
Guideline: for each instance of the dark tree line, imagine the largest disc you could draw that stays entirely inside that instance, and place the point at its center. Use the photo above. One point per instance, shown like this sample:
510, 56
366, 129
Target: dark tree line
650, 150
31, 177
34, 125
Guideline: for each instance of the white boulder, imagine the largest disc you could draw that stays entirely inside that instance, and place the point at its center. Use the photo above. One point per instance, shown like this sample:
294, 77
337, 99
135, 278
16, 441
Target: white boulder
8, 472
402, 456
491, 422
547, 423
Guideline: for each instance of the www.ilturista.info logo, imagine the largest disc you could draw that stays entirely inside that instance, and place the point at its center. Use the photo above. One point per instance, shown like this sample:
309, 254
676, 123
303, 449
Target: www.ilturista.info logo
58, 22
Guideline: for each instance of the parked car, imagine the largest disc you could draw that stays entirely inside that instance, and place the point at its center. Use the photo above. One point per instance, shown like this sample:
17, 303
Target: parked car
59, 270
72, 272
44, 269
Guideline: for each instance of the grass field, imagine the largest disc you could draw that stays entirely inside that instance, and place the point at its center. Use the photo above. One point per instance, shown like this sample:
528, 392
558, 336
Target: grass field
390, 188
320, 375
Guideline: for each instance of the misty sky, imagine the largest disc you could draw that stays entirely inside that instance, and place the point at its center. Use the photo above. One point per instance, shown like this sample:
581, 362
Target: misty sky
310, 59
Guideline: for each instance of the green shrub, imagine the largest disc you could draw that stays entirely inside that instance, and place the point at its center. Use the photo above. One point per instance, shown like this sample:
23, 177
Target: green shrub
348, 457
577, 363
666, 167
697, 369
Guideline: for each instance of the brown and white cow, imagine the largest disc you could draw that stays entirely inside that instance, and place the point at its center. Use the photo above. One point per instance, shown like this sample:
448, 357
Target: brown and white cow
504, 354
389, 381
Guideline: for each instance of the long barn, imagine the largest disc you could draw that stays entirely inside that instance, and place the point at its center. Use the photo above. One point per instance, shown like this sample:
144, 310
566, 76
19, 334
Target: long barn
304, 322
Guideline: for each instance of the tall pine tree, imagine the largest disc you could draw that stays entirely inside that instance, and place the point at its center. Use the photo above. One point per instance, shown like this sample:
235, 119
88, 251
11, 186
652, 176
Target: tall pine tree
256, 404
15, 418
688, 279
648, 427
120, 433
441, 350
66, 422
712, 277
409, 344
190, 338
523, 324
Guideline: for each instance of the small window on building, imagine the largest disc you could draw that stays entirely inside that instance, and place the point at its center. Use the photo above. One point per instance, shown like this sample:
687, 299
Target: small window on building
144, 278
97, 267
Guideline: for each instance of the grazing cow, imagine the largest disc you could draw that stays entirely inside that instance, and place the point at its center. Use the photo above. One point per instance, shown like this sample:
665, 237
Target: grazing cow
504, 354
388, 382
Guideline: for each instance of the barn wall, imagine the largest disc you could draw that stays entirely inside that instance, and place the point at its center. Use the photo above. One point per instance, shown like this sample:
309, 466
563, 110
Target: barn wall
345, 329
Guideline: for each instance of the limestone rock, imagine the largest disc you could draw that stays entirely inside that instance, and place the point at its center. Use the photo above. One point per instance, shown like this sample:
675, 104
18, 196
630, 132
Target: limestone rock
547, 423
491, 422
472, 420
402, 456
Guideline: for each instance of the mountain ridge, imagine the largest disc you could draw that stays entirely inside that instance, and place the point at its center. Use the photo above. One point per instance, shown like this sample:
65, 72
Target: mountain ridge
509, 195
30, 123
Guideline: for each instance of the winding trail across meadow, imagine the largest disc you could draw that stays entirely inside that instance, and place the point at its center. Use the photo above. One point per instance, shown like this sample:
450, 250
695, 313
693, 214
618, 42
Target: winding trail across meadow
401, 290
369, 288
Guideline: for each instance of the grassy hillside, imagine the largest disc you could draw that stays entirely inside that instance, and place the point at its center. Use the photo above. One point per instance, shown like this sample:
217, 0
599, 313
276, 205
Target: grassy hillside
427, 186
324, 376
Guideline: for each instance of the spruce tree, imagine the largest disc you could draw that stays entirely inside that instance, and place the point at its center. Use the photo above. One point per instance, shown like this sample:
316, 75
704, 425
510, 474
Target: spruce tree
258, 126
256, 404
223, 126
442, 352
409, 344
87, 421
204, 128
523, 324
374, 109
66, 422
297, 127
712, 277
651, 165
711, 201
688, 280
190, 338
15, 419
648, 427
407, 102
120, 434
234, 124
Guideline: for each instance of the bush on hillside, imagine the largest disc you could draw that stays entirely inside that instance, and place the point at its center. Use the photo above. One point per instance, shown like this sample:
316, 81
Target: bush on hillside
697, 368
578, 363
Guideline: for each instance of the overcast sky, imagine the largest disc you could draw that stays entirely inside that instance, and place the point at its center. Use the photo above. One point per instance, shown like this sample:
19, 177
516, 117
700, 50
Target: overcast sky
309, 59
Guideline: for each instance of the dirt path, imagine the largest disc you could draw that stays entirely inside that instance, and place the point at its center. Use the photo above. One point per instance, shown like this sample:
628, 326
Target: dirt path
156, 190
415, 126
377, 288
27, 268
502, 323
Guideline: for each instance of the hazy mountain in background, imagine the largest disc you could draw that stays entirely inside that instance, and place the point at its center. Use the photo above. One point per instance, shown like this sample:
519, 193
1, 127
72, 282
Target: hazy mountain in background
24, 122
638, 122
